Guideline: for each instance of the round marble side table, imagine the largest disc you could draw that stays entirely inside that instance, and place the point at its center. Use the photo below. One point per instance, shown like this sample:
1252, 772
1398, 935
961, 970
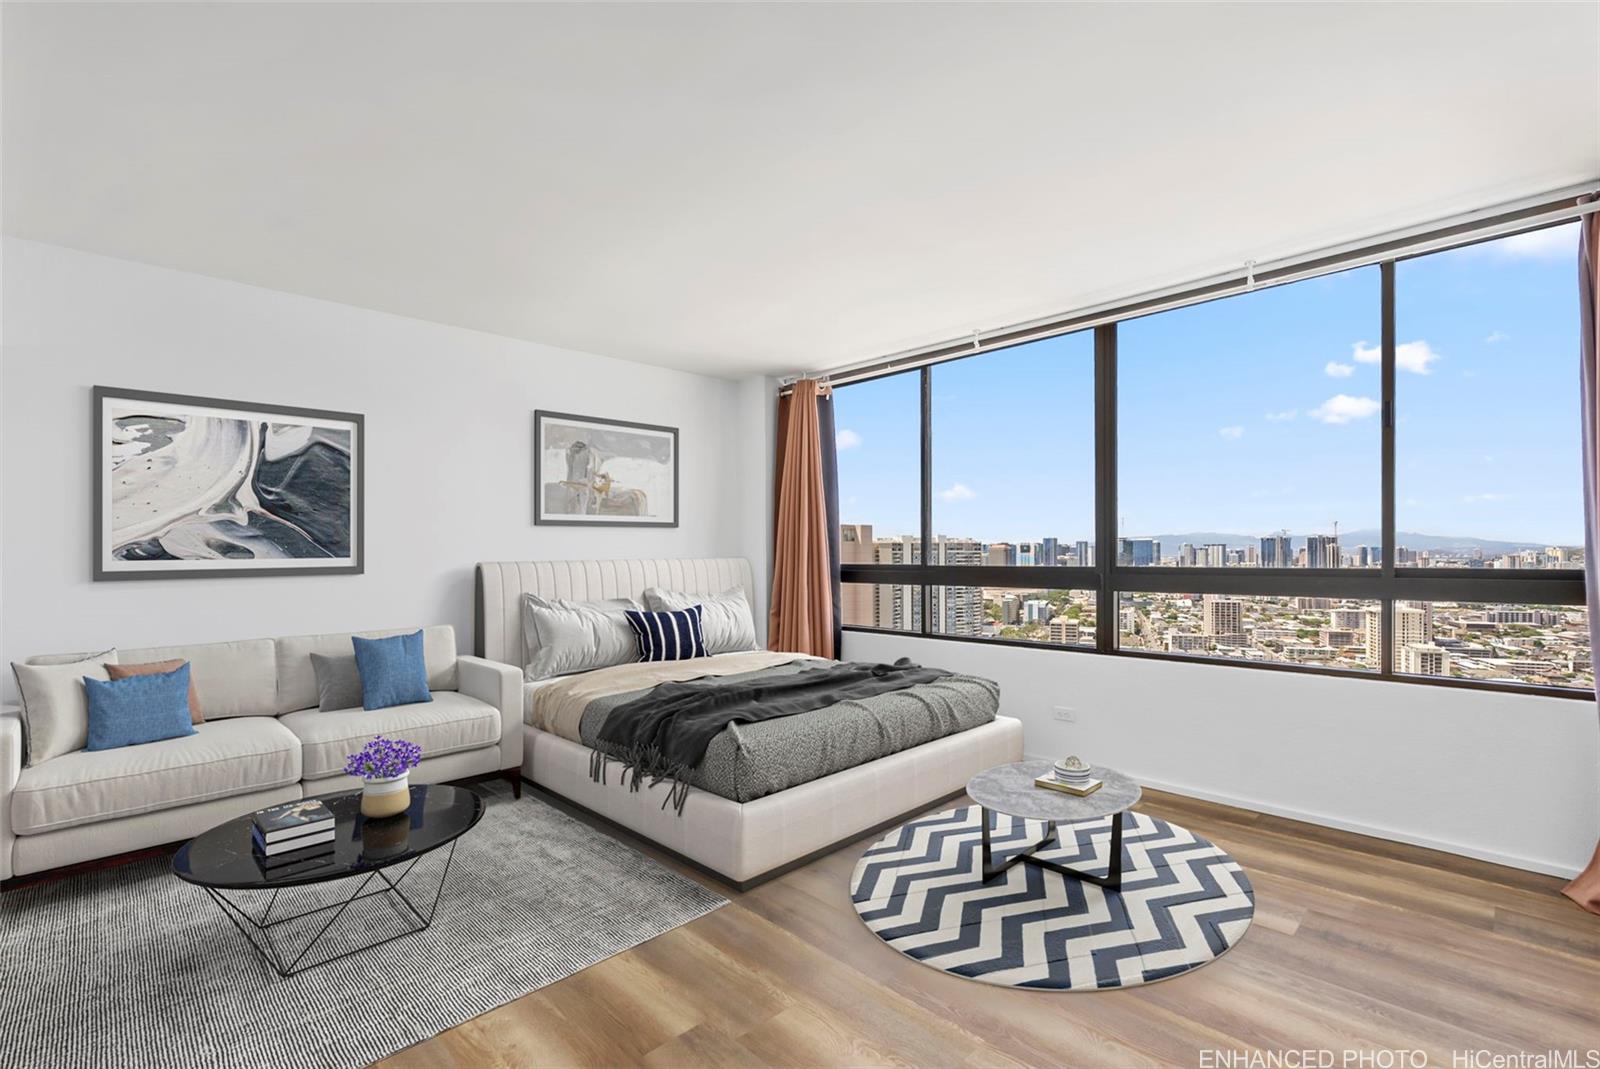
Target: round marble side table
1010, 789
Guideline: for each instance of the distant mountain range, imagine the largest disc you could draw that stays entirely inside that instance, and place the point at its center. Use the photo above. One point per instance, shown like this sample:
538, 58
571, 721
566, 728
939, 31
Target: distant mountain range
1349, 539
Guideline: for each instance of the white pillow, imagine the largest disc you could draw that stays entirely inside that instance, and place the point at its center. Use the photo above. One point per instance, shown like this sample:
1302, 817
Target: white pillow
55, 708
726, 621
560, 637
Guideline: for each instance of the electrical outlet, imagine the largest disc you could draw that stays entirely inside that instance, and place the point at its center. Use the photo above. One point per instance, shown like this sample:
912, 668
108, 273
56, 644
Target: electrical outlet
1065, 714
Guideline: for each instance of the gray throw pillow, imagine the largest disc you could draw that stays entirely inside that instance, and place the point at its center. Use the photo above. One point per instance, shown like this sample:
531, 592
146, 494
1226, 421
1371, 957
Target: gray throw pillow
338, 681
55, 708
725, 620
562, 637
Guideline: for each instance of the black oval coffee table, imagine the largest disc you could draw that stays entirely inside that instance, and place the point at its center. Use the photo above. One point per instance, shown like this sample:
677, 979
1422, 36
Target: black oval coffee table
1010, 789
363, 851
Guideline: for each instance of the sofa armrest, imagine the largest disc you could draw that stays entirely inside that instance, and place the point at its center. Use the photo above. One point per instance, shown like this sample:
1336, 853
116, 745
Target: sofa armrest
500, 685
10, 769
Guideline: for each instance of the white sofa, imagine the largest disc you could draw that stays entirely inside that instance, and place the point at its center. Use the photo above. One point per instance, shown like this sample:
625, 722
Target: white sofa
264, 741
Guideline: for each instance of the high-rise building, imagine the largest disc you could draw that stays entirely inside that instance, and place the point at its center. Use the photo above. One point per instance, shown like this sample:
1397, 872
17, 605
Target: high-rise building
1010, 610
857, 600
1064, 631
1423, 659
1052, 552
1224, 618
1036, 611
1348, 619
1138, 552
1360, 556
1216, 556
956, 610
1085, 555
1313, 604
1186, 555
1000, 555
1322, 551
1276, 552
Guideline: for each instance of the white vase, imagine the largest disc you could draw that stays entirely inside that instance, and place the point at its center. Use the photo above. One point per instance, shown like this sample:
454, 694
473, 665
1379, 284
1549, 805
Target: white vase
386, 797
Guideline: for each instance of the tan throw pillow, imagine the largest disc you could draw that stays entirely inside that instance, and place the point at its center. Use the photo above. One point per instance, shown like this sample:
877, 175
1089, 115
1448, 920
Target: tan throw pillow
156, 668
55, 709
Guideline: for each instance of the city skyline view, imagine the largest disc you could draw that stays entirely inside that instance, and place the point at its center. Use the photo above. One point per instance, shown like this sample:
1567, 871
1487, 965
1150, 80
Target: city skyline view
1256, 414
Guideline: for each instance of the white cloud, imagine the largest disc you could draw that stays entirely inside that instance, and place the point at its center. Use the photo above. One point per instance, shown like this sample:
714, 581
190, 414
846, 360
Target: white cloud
1282, 417
847, 439
1339, 371
1342, 408
1553, 242
1413, 356
958, 492
1232, 432
1495, 336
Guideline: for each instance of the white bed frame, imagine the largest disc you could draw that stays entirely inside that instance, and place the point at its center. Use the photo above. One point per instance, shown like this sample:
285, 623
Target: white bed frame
746, 843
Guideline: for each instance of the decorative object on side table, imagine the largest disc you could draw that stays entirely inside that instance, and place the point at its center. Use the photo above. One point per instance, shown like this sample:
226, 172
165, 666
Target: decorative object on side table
1070, 776
191, 487
384, 766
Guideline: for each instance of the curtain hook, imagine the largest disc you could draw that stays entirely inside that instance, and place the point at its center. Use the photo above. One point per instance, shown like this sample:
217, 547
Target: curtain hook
976, 344
1249, 275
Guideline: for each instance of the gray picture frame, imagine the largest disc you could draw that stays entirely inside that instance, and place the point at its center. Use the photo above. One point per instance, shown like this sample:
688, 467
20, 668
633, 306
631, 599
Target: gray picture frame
182, 569
539, 516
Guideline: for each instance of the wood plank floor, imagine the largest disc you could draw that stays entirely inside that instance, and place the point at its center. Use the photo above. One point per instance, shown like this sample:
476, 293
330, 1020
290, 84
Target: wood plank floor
1358, 945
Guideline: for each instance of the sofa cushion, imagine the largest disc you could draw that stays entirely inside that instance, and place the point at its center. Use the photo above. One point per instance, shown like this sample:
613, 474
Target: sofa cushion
297, 680
230, 678
55, 707
221, 758
451, 722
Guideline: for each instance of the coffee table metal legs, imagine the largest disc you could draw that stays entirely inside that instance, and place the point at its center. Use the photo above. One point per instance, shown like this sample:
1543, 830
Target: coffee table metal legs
286, 962
1112, 880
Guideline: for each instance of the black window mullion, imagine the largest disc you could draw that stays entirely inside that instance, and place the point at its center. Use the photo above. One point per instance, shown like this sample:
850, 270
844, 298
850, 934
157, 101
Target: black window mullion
1386, 605
1105, 485
927, 495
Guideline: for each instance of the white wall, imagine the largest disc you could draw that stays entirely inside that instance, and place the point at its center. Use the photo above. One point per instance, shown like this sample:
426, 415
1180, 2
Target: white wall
1401, 761
449, 415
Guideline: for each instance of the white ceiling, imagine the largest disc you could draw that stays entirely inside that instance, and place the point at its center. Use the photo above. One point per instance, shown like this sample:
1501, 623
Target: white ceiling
768, 188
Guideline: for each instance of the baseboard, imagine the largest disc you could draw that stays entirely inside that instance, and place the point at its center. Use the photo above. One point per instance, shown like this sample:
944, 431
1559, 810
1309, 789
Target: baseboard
1527, 864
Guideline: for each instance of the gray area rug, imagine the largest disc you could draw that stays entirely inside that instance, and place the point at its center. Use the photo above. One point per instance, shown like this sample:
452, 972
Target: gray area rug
131, 966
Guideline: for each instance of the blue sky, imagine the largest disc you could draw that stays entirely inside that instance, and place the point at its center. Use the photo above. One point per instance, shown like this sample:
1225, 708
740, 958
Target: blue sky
1260, 412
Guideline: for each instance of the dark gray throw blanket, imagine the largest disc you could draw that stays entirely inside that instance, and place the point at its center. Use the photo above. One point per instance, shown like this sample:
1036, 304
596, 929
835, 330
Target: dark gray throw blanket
665, 732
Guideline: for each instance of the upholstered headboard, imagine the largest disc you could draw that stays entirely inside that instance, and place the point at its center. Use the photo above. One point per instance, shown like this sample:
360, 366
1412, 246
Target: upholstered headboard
501, 584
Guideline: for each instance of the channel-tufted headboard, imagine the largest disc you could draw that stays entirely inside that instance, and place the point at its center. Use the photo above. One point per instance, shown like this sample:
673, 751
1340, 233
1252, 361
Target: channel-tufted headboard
501, 584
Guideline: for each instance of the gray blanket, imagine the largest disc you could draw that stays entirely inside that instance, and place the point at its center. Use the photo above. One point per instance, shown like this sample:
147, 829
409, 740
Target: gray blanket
748, 761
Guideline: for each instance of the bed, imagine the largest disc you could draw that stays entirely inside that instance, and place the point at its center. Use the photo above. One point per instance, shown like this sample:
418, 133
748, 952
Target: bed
767, 797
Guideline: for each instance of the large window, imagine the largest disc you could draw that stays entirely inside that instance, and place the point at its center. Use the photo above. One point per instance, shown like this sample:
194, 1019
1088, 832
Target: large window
1013, 454
1372, 472
1248, 430
1487, 444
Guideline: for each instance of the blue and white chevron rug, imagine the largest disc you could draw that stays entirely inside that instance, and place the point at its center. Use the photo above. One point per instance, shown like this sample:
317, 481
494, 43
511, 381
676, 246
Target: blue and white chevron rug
1183, 902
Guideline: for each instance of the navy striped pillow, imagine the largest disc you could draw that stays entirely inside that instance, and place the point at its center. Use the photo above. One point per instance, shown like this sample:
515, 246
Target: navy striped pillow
668, 636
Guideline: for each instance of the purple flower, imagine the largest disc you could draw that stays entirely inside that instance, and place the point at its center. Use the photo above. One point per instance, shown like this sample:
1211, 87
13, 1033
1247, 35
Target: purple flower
383, 758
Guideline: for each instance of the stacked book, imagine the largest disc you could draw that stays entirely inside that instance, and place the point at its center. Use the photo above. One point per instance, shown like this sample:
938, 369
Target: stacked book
1070, 776
292, 833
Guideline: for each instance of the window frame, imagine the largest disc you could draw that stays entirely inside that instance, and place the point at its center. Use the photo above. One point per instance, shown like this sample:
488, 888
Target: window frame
1386, 584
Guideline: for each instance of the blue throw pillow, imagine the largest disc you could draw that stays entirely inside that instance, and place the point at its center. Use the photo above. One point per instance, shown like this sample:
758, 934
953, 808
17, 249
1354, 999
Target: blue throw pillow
125, 712
668, 636
393, 671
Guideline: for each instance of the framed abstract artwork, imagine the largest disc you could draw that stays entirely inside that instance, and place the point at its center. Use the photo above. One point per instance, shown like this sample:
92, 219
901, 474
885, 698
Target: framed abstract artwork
603, 472
197, 487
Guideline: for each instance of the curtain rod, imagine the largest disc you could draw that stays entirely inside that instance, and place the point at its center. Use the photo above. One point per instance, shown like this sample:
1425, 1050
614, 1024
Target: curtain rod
1526, 214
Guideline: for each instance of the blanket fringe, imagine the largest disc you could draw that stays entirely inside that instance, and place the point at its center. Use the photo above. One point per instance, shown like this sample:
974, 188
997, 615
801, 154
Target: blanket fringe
644, 763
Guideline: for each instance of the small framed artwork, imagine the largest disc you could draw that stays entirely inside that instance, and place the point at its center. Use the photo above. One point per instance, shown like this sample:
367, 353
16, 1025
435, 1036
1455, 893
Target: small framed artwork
603, 472
197, 487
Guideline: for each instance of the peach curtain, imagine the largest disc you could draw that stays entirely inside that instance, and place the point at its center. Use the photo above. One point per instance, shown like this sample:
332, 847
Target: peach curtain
802, 615
1585, 890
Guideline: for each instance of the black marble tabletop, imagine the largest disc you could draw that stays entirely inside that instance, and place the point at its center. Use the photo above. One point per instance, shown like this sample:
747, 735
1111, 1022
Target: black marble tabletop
224, 857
